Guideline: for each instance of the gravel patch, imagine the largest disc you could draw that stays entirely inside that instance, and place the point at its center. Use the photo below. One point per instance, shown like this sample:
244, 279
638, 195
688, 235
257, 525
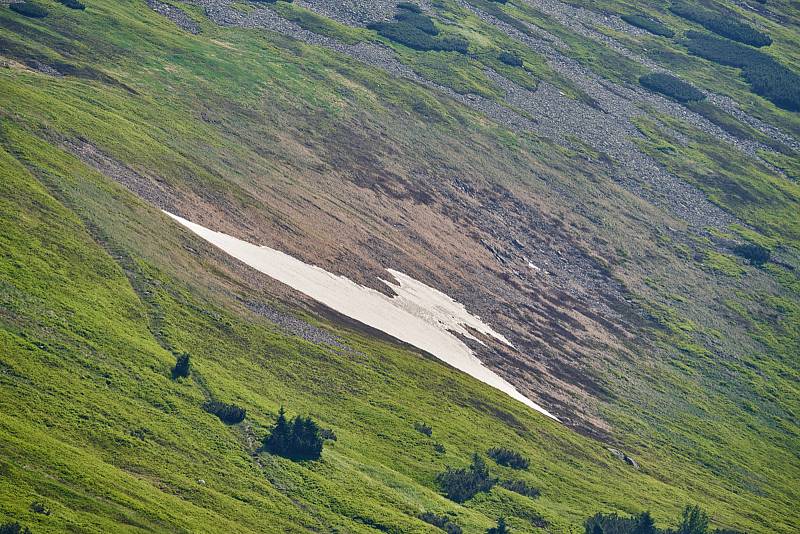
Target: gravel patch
176, 15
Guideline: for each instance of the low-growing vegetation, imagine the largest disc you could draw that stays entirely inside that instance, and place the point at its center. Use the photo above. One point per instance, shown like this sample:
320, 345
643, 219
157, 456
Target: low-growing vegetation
693, 521
228, 413
755, 254
766, 76
14, 528
73, 4
296, 439
671, 86
501, 527
521, 487
416, 30
656, 27
508, 458
183, 366
724, 25
441, 522
29, 9
510, 58
423, 428
460, 485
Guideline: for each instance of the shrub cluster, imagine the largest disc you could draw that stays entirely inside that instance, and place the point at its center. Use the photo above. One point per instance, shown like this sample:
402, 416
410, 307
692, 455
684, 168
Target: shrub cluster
510, 58
298, 439
508, 458
183, 367
72, 4
423, 428
766, 76
755, 254
671, 86
416, 30
501, 527
227, 413
14, 528
649, 24
521, 487
693, 520
460, 485
29, 9
725, 26
441, 522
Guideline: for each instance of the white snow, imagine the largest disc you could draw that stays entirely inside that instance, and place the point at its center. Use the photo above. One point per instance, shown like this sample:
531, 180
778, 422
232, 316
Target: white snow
419, 315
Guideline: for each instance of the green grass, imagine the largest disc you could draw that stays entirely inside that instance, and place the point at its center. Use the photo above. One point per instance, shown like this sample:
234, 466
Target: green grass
97, 289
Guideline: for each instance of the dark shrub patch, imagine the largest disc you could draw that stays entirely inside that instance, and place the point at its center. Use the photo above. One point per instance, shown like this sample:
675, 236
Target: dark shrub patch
72, 4
183, 367
29, 9
510, 58
297, 439
508, 458
327, 434
766, 76
671, 86
418, 20
460, 485
439, 448
39, 508
755, 254
724, 25
521, 487
423, 428
651, 25
14, 528
416, 30
501, 527
227, 413
408, 6
440, 522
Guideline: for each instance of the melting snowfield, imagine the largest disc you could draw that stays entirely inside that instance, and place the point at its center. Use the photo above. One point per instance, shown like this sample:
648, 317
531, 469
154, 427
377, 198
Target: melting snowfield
418, 315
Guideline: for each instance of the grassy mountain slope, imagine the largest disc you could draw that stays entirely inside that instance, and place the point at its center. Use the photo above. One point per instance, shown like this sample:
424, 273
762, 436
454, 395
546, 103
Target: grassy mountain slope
693, 372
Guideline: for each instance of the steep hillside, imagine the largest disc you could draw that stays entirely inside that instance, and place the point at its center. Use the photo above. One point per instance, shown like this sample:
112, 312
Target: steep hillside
637, 245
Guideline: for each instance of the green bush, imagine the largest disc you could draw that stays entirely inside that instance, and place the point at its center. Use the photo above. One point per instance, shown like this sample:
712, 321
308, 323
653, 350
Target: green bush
227, 413
183, 366
460, 485
415, 30
510, 58
423, 428
421, 22
766, 76
408, 6
723, 25
521, 487
29, 9
72, 4
649, 24
755, 254
671, 86
501, 527
298, 439
508, 458
441, 522
14, 528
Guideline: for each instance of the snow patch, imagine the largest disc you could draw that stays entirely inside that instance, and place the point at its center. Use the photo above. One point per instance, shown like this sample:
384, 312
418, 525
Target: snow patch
418, 315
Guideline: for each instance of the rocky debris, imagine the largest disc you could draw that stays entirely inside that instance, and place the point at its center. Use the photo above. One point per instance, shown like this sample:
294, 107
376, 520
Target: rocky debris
297, 327
356, 13
150, 189
624, 457
175, 14
37, 65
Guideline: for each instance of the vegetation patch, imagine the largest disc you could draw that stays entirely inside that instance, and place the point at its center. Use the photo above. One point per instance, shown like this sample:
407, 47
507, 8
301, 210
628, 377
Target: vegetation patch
724, 25
416, 30
755, 254
296, 439
442, 522
766, 76
460, 485
654, 26
521, 487
228, 413
671, 86
508, 458
183, 366
73, 4
510, 58
29, 9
